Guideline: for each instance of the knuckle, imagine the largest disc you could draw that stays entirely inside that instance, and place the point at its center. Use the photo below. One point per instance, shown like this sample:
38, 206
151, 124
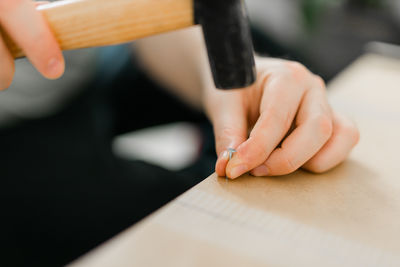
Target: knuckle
254, 151
319, 81
278, 117
282, 163
324, 125
40, 42
290, 166
351, 132
297, 70
258, 153
285, 166
295, 66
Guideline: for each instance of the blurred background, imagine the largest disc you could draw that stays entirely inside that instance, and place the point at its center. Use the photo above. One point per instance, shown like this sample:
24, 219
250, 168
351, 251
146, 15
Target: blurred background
326, 35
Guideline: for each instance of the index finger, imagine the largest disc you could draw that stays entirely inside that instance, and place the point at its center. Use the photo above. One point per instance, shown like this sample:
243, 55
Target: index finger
28, 28
278, 108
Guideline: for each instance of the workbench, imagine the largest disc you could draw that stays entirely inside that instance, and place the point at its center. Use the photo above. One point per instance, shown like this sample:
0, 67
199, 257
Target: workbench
349, 216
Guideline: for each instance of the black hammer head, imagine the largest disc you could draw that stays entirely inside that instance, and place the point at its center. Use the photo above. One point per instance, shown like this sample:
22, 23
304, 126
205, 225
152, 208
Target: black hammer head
228, 39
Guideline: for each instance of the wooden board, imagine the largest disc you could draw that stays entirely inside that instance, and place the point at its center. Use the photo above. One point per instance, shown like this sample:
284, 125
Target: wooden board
349, 216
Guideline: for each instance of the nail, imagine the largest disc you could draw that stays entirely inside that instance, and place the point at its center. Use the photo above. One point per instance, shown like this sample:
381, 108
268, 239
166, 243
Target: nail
231, 151
260, 171
55, 68
237, 171
224, 155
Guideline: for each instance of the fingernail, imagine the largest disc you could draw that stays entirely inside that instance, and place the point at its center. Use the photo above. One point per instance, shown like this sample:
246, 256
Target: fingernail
224, 155
55, 68
260, 171
237, 171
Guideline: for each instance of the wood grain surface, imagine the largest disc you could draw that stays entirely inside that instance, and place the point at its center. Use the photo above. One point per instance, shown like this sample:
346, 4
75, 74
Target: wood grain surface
88, 23
349, 216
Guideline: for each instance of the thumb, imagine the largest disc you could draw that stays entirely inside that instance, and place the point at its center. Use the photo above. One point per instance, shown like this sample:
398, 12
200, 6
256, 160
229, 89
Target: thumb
230, 130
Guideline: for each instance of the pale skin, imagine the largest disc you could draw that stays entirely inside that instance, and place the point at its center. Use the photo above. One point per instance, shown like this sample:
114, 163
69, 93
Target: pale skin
280, 124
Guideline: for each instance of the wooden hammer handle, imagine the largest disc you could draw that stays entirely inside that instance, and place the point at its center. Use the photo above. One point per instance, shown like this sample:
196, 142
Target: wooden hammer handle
88, 23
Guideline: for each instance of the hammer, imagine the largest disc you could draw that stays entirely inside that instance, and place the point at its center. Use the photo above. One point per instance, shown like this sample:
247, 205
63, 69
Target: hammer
89, 23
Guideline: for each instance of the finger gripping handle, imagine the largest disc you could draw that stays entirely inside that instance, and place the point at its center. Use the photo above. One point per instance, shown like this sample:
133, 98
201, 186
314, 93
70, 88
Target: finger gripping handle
89, 23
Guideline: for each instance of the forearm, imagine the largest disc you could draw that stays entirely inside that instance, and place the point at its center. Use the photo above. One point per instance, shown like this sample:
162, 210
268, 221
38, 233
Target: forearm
178, 61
